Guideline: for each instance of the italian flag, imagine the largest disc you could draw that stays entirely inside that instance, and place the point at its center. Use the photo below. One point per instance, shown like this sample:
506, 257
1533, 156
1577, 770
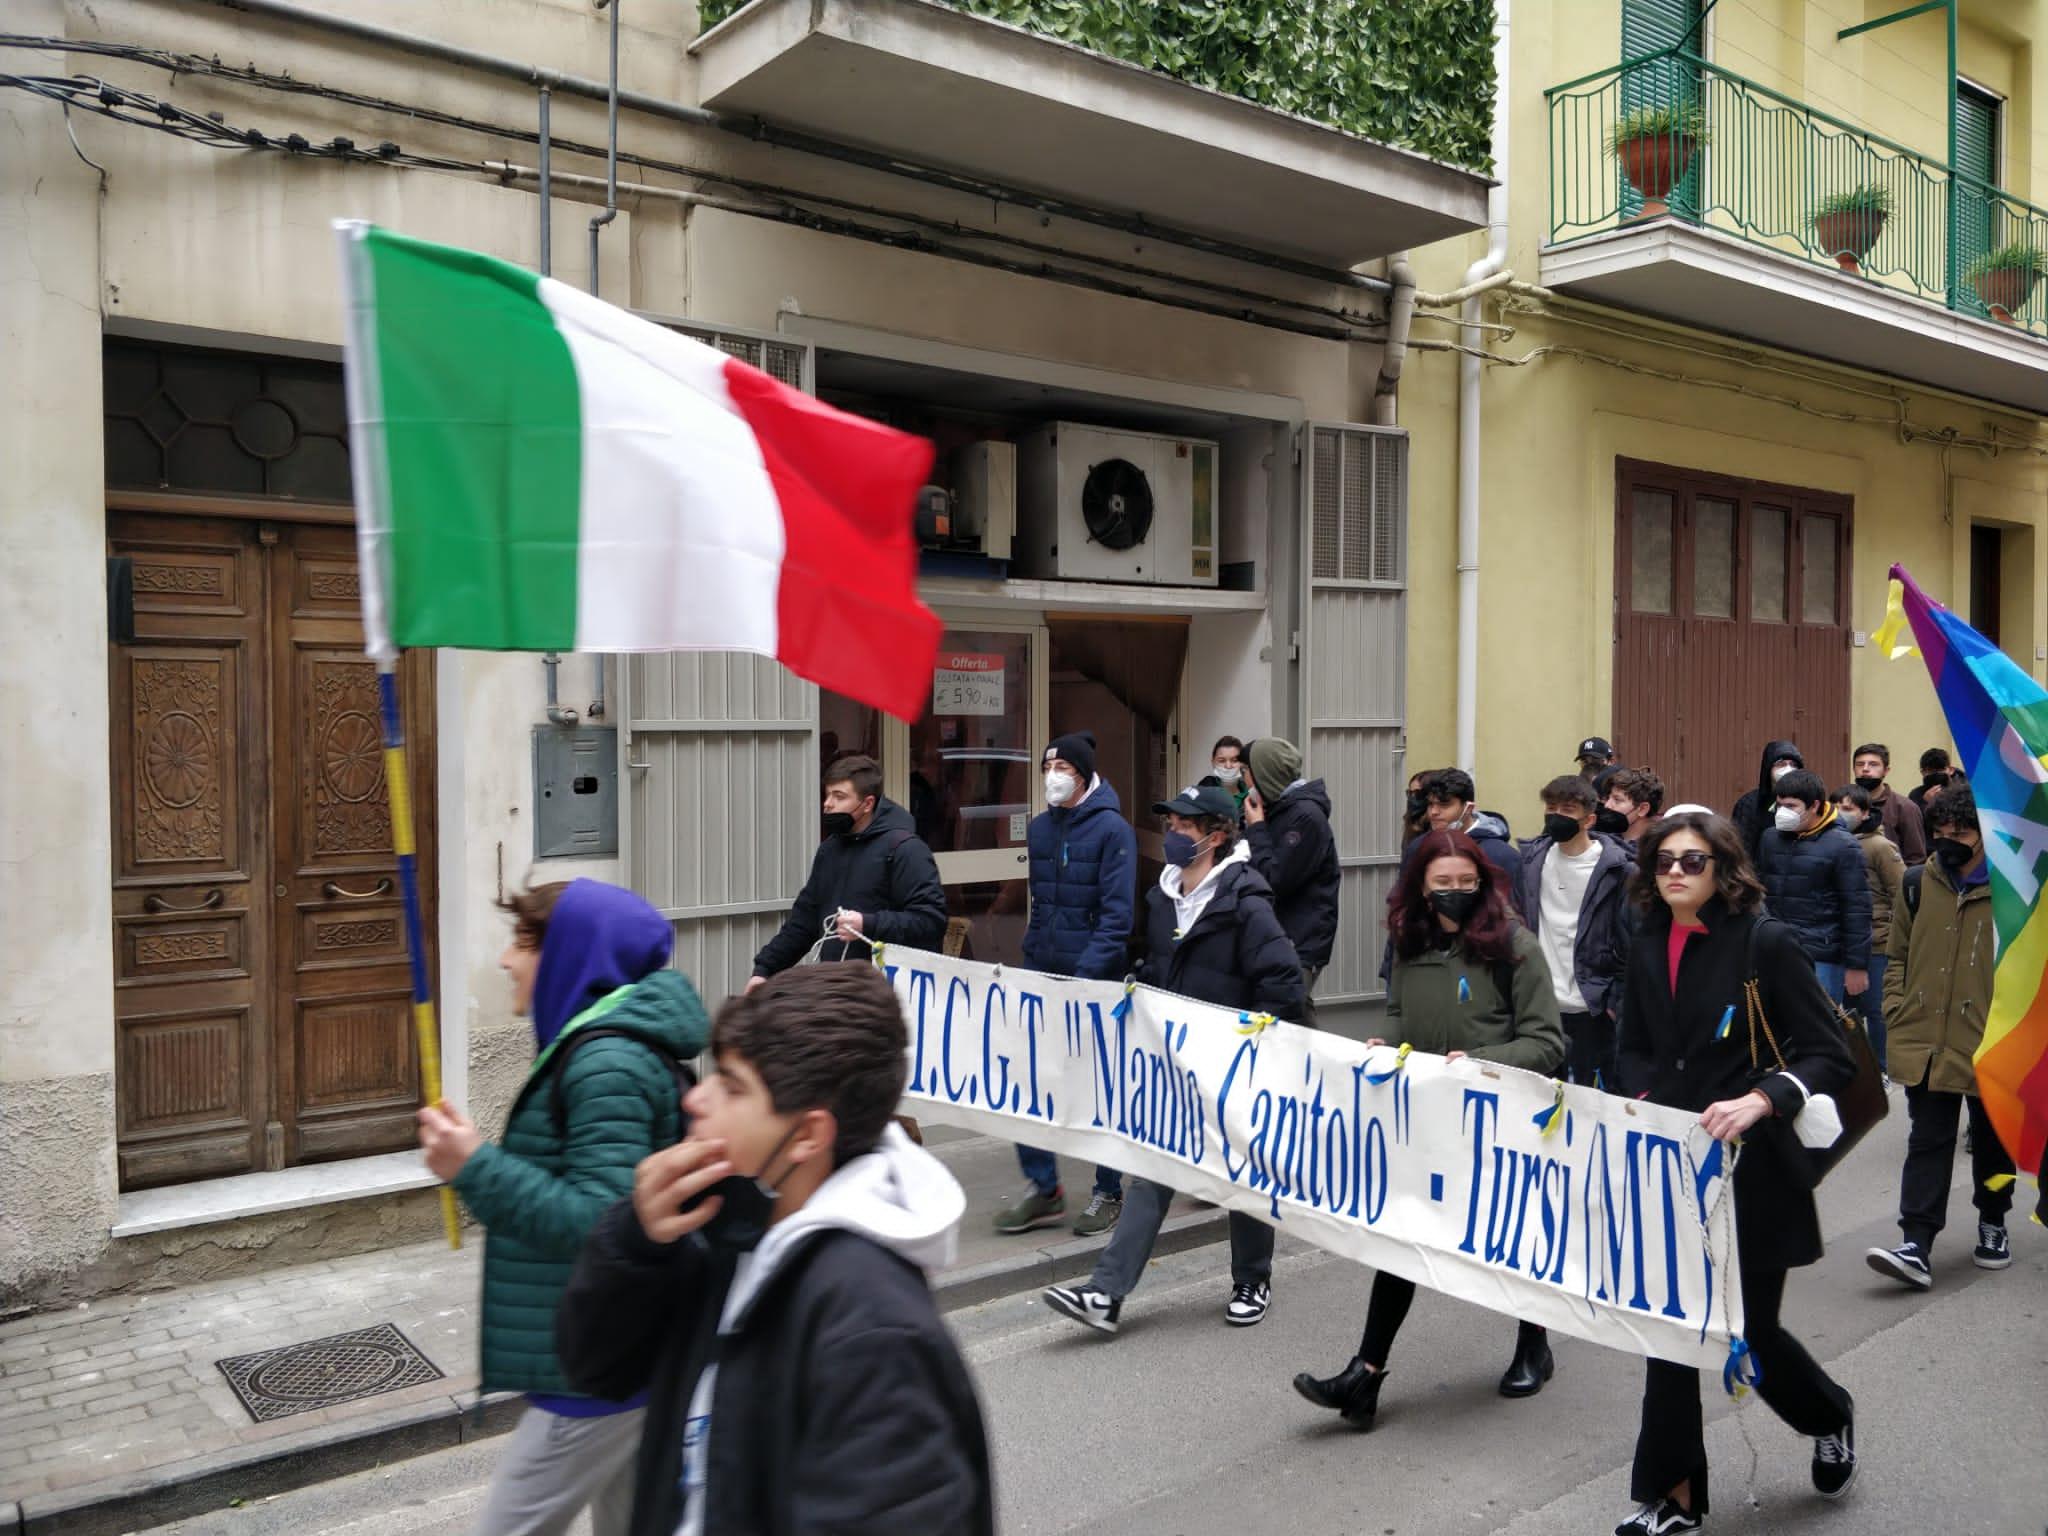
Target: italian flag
536, 470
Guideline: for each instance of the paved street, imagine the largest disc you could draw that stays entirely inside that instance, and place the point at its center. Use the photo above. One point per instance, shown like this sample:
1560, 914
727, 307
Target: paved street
1182, 1426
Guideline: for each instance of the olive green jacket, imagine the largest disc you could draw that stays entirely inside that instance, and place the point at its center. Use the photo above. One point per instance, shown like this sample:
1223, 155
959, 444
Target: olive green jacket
1441, 1001
1937, 988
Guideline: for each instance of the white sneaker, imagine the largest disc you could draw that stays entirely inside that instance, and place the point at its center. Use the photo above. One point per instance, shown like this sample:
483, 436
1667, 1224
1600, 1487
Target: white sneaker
1085, 1304
1248, 1304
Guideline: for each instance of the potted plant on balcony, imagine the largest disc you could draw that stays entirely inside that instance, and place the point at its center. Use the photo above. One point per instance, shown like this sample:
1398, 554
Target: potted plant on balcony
1655, 146
2005, 278
1849, 223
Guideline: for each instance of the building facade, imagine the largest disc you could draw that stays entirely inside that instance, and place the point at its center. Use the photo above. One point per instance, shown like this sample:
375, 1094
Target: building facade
1439, 469
1045, 259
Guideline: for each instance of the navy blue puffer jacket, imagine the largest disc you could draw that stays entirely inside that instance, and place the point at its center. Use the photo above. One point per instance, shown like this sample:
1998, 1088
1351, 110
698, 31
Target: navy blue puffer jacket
1084, 888
1809, 886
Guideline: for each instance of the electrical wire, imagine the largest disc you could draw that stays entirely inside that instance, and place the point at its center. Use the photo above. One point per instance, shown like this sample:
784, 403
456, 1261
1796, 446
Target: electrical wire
139, 109
199, 65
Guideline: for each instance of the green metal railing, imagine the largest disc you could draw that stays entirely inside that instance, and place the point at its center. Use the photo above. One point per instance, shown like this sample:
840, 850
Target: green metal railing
1669, 133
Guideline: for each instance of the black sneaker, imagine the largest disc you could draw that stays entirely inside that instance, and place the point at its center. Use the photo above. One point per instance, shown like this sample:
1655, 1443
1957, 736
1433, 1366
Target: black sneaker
1085, 1304
1994, 1247
1906, 1264
1248, 1304
1834, 1459
1659, 1517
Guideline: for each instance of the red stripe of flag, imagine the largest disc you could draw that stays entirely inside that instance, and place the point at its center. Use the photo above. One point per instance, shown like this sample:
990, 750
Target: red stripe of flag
847, 614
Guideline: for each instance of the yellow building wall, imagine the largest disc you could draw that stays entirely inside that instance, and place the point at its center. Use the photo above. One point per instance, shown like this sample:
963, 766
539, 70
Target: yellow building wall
1594, 392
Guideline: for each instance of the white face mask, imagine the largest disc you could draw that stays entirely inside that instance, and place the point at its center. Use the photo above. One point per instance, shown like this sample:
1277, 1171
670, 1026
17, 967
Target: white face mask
1060, 787
1229, 773
1790, 818
1780, 771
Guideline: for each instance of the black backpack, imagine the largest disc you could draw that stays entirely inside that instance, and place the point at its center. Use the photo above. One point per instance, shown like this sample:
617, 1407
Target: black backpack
1911, 891
558, 1105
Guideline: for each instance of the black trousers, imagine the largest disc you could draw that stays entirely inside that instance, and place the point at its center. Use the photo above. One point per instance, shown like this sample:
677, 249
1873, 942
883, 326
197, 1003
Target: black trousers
1931, 1162
1672, 1446
1590, 1046
1388, 1309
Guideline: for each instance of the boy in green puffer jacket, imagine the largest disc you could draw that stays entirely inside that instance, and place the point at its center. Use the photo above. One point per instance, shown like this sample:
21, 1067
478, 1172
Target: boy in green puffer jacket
612, 1024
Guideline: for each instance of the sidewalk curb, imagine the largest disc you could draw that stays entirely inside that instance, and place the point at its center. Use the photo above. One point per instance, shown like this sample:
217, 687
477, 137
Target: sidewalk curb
203, 1484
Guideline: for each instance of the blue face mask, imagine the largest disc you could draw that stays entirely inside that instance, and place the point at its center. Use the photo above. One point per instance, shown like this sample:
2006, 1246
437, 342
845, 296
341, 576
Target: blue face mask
1181, 849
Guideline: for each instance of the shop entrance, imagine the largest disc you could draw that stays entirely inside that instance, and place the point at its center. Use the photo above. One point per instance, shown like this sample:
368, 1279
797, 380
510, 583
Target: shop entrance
968, 771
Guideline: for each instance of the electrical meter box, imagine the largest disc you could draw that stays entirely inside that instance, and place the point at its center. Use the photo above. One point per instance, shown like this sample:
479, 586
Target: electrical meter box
575, 791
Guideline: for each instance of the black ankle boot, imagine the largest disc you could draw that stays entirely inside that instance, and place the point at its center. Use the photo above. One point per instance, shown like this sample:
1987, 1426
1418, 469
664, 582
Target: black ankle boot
1353, 1392
1532, 1365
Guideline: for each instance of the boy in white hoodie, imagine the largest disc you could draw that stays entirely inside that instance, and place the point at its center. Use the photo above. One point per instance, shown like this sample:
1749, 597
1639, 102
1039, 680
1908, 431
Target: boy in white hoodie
765, 1284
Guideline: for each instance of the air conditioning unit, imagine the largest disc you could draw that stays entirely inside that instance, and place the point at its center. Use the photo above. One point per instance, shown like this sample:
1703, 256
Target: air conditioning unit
1101, 505
974, 512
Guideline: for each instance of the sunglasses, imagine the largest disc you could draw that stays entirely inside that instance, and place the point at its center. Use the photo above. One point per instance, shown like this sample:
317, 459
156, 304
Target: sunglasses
1691, 862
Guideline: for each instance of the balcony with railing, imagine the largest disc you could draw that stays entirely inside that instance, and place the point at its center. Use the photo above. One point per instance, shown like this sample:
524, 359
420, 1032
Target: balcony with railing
1686, 190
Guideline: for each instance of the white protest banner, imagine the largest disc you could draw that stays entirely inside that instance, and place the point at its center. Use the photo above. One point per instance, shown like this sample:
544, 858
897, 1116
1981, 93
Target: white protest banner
1605, 1218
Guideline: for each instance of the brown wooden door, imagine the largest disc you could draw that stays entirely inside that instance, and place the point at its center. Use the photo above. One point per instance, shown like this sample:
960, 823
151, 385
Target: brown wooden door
262, 989
1731, 604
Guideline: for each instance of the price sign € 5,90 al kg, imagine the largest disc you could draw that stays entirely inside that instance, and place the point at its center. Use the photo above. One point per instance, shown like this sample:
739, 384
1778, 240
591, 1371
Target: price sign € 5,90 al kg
968, 683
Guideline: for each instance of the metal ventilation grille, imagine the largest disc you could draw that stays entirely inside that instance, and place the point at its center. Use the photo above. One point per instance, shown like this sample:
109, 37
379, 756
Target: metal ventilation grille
1388, 478
778, 359
1328, 534
1357, 482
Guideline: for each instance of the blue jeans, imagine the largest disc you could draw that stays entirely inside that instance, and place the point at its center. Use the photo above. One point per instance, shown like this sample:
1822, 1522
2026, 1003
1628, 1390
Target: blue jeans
1872, 1005
1043, 1170
1830, 977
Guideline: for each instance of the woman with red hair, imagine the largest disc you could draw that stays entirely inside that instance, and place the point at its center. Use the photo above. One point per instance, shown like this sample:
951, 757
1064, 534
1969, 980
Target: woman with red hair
1468, 980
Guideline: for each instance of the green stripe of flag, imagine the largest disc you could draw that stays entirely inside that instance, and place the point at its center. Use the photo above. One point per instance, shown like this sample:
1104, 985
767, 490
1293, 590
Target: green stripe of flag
483, 438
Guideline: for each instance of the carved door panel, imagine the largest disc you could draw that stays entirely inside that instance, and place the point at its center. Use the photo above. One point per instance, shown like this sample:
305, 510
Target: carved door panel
191, 870
347, 1065
262, 1000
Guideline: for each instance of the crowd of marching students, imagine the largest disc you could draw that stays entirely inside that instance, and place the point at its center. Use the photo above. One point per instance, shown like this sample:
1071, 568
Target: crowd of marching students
720, 1314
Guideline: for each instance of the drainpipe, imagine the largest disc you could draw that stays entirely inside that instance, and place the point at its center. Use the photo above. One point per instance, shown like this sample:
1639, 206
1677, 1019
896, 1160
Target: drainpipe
551, 663
1386, 390
1469, 378
611, 155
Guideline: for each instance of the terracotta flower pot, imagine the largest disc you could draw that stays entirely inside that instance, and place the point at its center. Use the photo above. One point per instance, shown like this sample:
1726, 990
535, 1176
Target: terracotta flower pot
1848, 236
2005, 290
1653, 165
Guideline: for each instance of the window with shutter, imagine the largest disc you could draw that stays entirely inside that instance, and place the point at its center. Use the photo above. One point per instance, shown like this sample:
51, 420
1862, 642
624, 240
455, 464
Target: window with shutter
1646, 27
1975, 215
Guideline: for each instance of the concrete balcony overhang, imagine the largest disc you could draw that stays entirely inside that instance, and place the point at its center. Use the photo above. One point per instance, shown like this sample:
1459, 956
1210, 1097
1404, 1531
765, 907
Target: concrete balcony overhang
936, 85
1713, 281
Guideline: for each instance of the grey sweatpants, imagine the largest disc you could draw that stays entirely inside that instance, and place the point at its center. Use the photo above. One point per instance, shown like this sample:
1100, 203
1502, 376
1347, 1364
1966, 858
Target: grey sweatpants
553, 1466
1137, 1229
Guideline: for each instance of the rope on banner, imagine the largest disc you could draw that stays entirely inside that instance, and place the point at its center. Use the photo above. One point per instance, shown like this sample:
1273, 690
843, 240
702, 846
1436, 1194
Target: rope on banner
398, 786
1249, 1023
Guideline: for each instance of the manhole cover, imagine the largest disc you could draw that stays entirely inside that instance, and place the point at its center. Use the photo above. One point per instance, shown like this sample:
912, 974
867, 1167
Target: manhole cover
320, 1373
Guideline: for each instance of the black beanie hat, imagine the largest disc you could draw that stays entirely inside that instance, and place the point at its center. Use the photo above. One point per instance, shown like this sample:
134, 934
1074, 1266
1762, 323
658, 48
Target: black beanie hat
1078, 748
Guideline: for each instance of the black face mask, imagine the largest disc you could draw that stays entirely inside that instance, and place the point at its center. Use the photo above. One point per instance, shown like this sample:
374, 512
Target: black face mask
1955, 855
1868, 784
1560, 829
1418, 807
1610, 821
1458, 906
748, 1206
838, 823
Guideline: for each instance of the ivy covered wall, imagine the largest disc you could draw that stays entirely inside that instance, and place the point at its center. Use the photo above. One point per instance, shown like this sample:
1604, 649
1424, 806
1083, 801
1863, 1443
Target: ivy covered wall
1417, 73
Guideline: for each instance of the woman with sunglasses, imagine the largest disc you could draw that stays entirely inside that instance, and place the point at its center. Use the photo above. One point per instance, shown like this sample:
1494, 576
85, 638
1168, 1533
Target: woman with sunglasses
1468, 980
1685, 1042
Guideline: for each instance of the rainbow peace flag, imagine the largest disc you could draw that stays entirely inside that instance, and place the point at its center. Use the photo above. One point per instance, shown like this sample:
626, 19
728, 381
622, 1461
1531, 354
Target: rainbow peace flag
1999, 718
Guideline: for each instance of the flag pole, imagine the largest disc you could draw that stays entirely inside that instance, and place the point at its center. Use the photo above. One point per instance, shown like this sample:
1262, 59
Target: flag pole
396, 782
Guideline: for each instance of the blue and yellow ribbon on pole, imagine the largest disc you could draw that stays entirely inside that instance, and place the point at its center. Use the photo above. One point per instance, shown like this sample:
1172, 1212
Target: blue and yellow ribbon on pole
399, 786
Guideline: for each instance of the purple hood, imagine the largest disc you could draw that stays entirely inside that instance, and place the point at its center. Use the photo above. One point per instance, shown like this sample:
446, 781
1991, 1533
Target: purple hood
600, 938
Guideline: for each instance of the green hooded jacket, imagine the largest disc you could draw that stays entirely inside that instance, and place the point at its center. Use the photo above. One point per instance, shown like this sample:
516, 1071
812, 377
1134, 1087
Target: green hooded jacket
1440, 1001
538, 1192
